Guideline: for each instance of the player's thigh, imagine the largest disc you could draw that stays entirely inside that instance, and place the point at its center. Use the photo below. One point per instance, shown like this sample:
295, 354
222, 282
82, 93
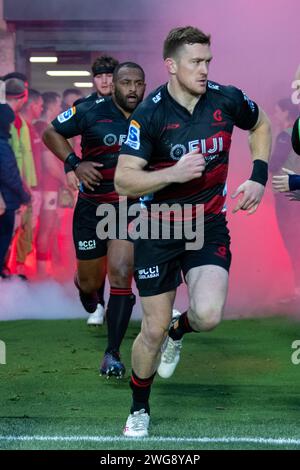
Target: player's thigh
88, 245
207, 287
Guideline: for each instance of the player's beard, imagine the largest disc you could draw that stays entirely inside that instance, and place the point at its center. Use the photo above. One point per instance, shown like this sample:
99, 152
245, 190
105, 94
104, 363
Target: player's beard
123, 102
190, 89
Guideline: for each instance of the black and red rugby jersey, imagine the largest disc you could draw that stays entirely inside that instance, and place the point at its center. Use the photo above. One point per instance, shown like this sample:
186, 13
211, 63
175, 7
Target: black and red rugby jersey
161, 131
103, 128
87, 99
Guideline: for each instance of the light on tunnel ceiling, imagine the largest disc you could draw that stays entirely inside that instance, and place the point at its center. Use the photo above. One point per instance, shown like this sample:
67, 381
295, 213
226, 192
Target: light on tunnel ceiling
68, 73
83, 84
42, 59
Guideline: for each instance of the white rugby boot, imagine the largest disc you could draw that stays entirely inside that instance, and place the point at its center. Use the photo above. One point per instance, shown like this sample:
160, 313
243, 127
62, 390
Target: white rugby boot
96, 318
137, 424
171, 352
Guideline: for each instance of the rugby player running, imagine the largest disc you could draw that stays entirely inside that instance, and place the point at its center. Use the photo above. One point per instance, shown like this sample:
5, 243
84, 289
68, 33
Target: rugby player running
102, 70
103, 125
182, 131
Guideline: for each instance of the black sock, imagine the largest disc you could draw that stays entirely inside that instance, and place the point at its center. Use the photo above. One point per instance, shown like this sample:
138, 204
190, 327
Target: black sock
100, 293
182, 328
119, 309
141, 389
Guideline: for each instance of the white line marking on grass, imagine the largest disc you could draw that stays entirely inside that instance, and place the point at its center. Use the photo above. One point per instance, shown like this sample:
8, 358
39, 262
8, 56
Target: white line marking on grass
200, 440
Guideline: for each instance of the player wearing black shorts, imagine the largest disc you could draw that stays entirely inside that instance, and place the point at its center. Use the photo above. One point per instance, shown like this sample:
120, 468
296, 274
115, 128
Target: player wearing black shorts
102, 70
177, 151
103, 125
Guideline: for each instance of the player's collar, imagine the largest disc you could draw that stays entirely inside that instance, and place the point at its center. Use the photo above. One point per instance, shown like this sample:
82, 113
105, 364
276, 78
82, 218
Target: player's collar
180, 106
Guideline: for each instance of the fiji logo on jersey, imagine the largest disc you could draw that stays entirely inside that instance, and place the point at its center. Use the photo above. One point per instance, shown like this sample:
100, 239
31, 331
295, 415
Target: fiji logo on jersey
210, 147
133, 137
66, 115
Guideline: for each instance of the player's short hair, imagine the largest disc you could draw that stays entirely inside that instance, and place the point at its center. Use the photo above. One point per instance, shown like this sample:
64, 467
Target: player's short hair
286, 104
49, 97
71, 91
104, 64
130, 65
18, 75
33, 95
177, 37
15, 88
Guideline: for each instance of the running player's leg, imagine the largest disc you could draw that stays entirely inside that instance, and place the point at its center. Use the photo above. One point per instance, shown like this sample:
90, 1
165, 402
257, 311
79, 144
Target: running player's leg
88, 279
44, 236
206, 274
91, 257
207, 290
101, 291
91, 274
157, 284
207, 287
157, 311
120, 304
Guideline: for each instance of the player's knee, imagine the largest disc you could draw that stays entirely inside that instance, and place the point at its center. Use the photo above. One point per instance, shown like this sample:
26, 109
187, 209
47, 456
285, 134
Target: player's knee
206, 319
153, 337
120, 275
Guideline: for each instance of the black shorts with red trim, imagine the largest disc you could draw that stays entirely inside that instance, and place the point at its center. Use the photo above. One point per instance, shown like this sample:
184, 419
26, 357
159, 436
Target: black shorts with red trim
94, 227
159, 263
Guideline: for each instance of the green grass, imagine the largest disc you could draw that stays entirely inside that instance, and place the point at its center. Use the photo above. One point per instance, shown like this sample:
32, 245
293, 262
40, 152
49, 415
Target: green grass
237, 381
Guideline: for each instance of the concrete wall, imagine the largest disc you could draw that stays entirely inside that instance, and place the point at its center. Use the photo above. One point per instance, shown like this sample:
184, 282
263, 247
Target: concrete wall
7, 46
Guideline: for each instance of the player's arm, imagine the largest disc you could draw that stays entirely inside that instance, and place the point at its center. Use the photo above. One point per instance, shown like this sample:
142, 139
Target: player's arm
260, 142
56, 138
57, 143
52, 166
287, 182
260, 138
131, 178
